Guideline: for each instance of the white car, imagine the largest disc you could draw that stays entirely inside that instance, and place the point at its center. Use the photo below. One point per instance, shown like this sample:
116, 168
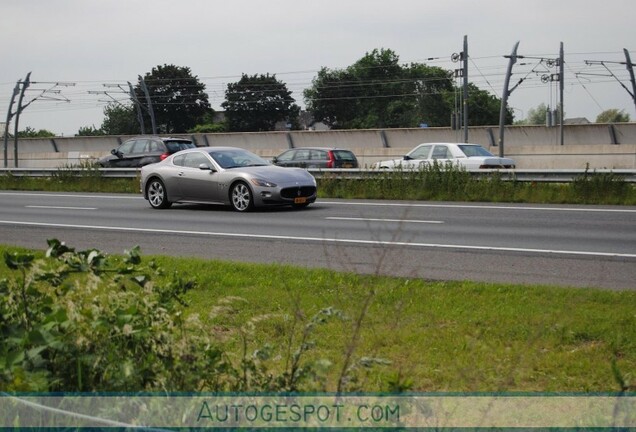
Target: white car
468, 156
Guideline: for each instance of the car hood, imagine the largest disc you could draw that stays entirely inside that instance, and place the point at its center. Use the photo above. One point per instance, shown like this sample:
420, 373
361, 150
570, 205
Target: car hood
278, 174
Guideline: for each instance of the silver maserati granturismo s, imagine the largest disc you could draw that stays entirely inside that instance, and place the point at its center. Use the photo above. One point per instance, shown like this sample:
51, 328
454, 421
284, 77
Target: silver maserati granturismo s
225, 175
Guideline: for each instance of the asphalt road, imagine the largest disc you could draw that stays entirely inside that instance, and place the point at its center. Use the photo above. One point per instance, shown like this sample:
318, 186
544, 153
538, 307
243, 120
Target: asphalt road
582, 246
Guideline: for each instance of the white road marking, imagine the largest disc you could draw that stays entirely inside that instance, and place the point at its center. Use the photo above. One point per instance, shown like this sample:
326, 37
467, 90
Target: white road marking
384, 220
379, 204
61, 208
479, 206
123, 196
324, 240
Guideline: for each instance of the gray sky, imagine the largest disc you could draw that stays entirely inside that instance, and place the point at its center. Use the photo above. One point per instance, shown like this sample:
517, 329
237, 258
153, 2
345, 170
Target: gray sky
96, 42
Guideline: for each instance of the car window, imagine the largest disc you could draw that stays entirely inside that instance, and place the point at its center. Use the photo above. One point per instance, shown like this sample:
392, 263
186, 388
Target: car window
154, 147
195, 159
175, 146
126, 147
474, 150
318, 155
140, 146
441, 152
236, 158
344, 155
421, 152
301, 154
179, 160
287, 156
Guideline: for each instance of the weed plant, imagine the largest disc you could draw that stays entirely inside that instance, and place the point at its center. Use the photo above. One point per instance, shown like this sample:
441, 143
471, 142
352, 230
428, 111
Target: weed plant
81, 321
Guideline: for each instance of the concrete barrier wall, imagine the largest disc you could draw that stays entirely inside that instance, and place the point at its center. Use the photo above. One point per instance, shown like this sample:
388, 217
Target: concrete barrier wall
596, 145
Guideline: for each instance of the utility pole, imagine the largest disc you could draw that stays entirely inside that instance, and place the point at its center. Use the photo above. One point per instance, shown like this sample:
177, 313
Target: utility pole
561, 87
630, 69
463, 72
10, 115
140, 115
149, 103
25, 84
20, 88
504, 98
465, 69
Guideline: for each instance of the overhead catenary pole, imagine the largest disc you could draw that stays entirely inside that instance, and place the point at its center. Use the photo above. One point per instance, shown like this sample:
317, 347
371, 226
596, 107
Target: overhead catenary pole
10, 114
504, 98
561, 87
465, 73
25, 85
151, 111
630, 69
140, 115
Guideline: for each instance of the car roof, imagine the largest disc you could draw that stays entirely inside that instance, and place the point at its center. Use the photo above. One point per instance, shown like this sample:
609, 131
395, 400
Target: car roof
156, 137
318, 148
210, 148
448, 143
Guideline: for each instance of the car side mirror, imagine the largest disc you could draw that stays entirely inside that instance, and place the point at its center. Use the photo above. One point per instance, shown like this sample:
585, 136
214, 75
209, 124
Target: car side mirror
116, 153
407, 157
274, 159
206, 167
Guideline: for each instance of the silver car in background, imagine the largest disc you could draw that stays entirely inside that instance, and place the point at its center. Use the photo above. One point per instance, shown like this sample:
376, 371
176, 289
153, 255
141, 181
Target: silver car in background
225, 175
467, 156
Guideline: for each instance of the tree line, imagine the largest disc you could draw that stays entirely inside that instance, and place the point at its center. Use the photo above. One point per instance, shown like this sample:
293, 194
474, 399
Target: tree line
374, 92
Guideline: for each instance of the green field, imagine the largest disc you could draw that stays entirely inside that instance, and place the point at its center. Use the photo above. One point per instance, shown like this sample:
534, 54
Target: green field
378, 334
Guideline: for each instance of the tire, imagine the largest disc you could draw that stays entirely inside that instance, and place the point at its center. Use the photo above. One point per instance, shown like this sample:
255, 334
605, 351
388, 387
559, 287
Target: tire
157, 194
241, 197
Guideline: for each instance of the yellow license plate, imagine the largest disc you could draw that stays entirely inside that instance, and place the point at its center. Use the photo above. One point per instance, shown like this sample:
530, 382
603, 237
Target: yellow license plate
300, 200
347, 165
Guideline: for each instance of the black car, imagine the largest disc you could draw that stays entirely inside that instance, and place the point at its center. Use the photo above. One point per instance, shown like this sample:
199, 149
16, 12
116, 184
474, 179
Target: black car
144, 150
317, 157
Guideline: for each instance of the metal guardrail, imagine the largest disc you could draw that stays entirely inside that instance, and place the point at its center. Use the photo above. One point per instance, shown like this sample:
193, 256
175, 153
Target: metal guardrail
527, 175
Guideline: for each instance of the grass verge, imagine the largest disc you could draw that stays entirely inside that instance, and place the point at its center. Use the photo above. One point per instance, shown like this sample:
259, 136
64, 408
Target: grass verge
432, 183
437, 336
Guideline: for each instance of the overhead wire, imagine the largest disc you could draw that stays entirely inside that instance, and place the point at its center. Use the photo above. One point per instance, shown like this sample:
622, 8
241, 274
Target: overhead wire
489, 75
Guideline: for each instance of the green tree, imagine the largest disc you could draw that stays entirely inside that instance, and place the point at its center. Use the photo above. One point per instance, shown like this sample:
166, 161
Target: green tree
537, 115
29, 132
208, 125
432, 85
485, 108
257, 103
90, 131
378, 92
178, 98
613, 115
120, 120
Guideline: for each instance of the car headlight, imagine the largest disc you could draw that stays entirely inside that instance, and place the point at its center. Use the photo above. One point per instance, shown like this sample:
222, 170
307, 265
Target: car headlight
262, 183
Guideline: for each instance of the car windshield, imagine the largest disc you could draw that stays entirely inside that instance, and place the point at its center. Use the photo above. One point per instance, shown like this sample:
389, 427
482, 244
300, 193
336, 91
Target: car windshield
474, 150
236, 158
175, 146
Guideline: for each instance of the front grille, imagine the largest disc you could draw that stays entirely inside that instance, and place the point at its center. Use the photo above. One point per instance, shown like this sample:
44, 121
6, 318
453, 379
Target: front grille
299, 191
